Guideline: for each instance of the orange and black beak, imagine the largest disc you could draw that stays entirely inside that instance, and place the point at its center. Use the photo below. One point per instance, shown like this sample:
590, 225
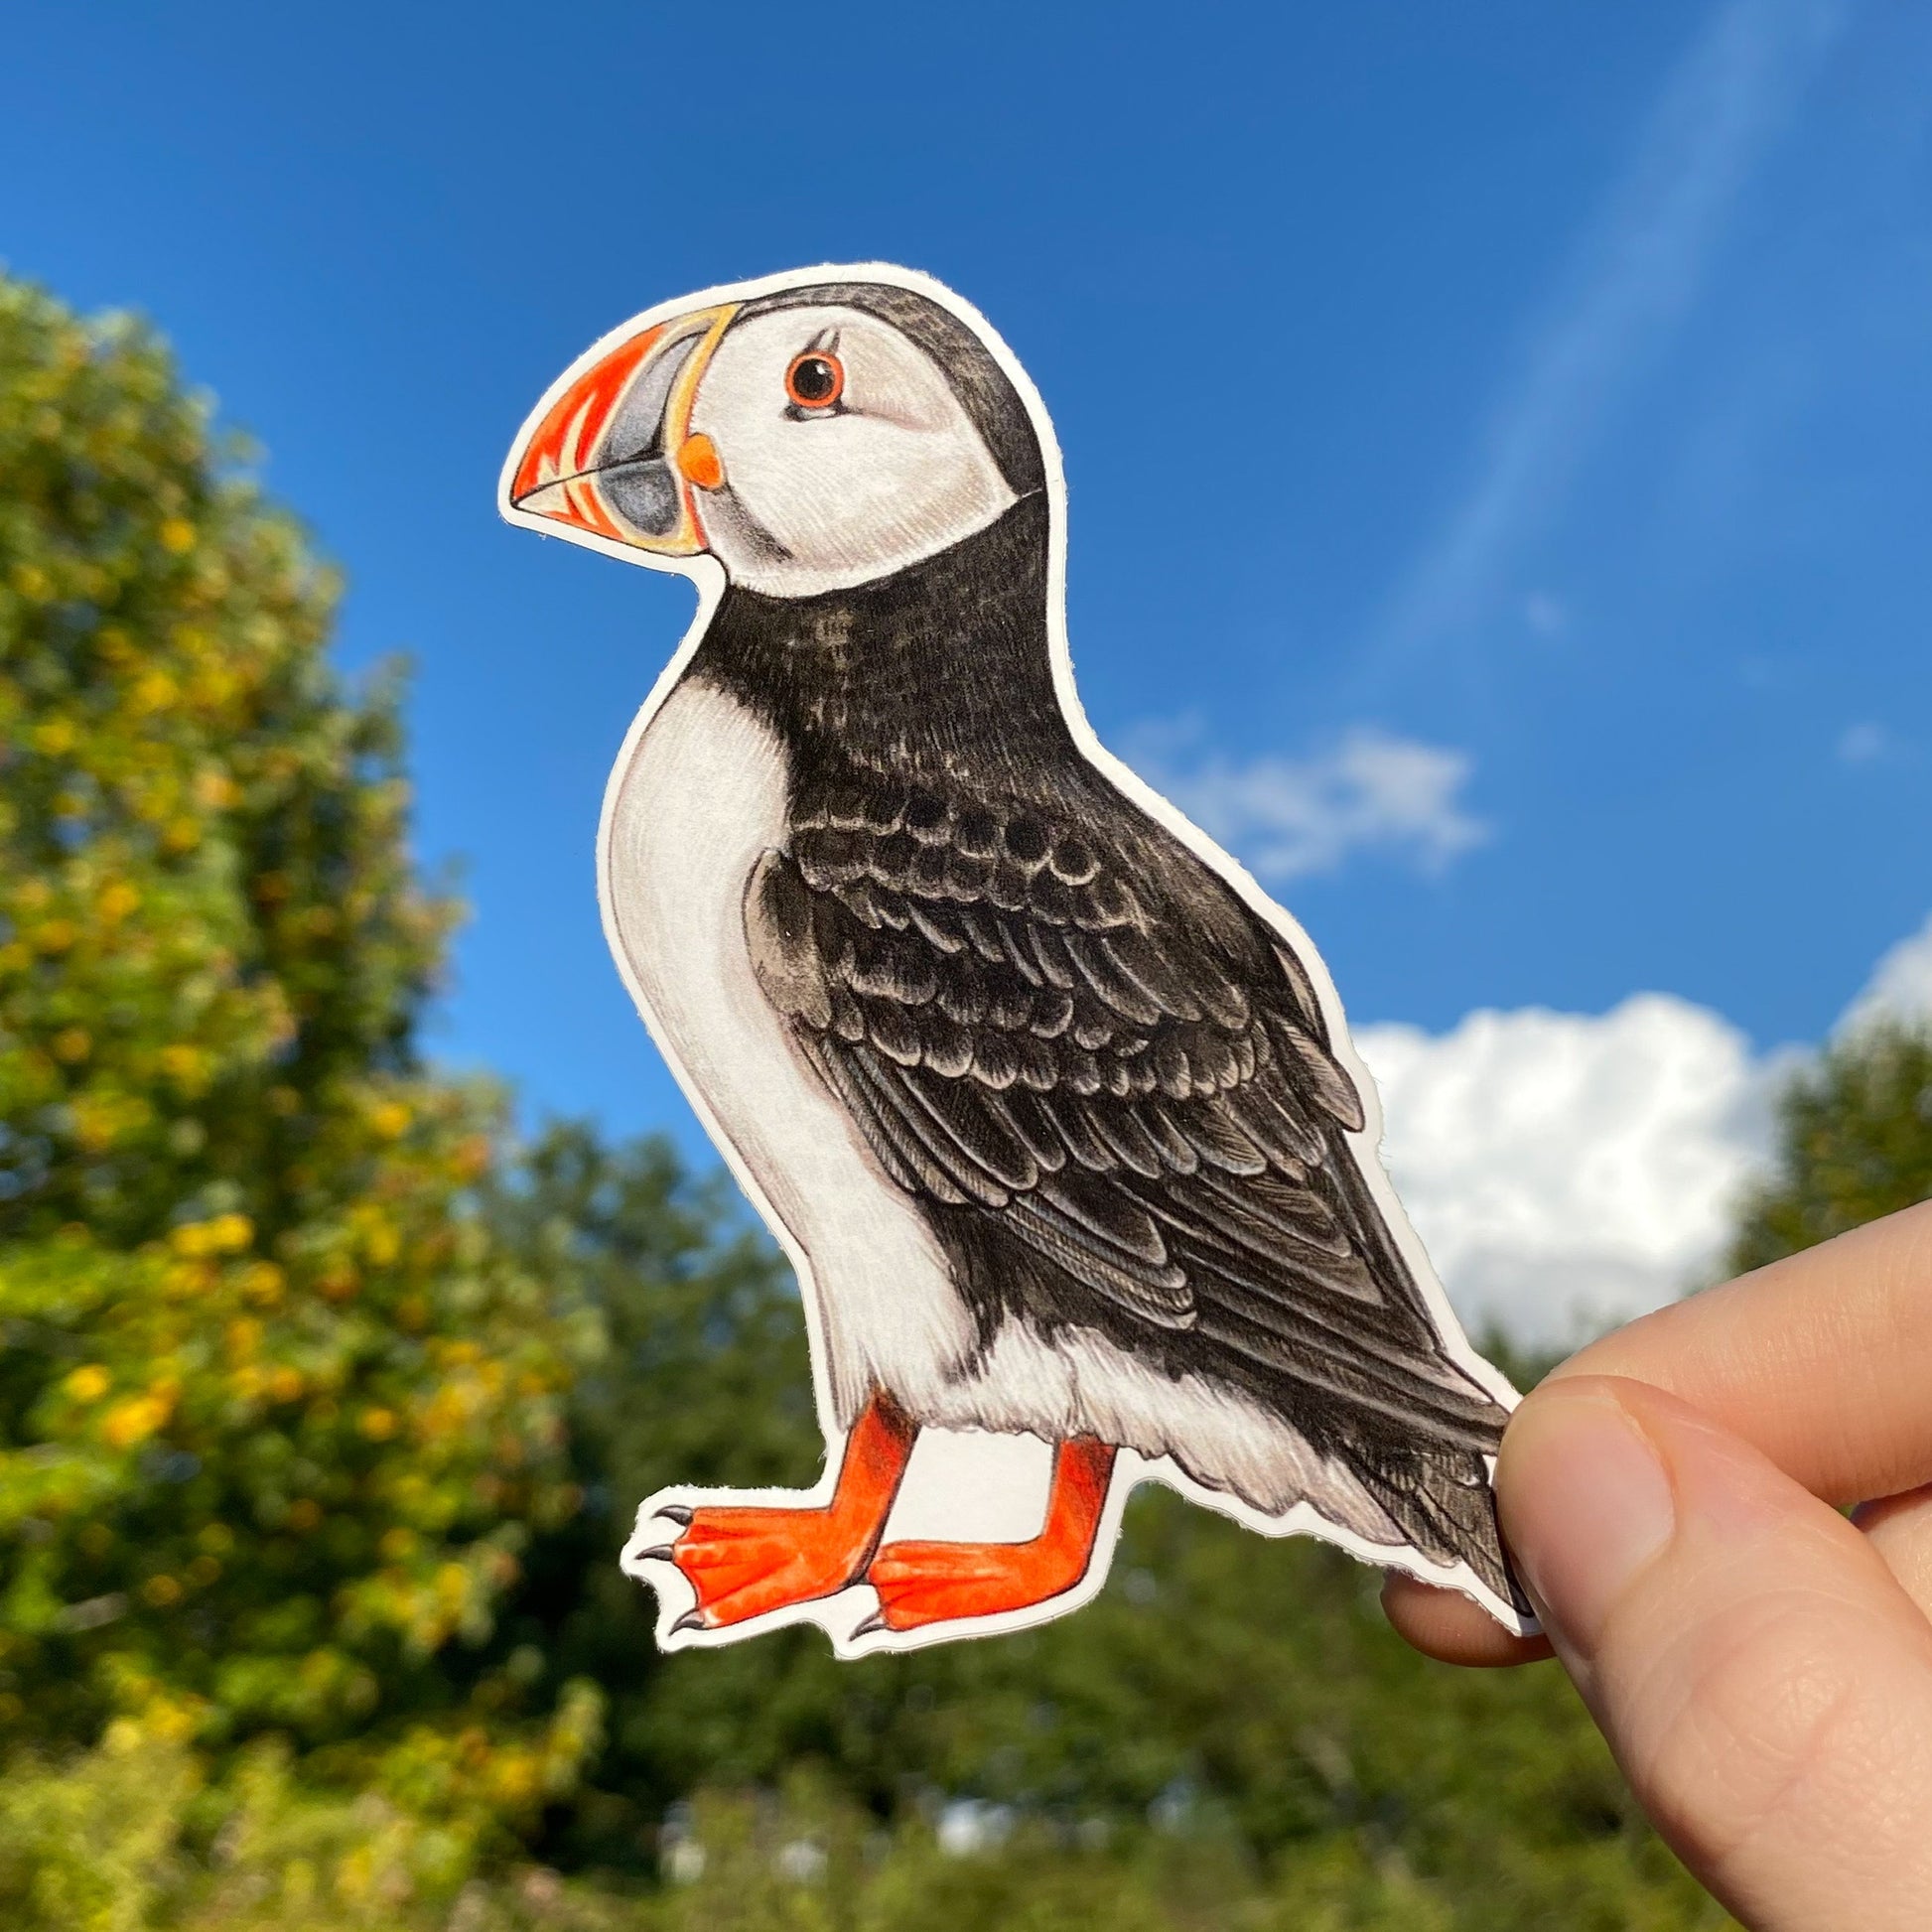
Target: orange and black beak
610, 454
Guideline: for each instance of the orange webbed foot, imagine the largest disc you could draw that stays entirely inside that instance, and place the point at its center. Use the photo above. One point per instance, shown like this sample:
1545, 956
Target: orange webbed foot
742, 1561
944, 1583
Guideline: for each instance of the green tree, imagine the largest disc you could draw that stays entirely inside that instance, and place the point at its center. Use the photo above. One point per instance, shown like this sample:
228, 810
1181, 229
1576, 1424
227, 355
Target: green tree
276, 1414
1853, 1143
701, 1377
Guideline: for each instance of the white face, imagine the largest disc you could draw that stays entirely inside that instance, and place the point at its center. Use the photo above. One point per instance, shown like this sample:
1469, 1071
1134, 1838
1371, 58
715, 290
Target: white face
845, 455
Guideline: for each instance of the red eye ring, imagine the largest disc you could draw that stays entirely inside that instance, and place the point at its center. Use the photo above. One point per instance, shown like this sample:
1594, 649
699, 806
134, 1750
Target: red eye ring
815, 380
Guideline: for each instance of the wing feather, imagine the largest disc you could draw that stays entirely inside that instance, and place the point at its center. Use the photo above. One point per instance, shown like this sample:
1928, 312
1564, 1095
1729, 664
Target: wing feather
1093, 1050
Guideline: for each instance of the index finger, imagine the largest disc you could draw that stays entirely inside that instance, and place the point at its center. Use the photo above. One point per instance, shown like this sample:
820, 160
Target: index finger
1821, 1361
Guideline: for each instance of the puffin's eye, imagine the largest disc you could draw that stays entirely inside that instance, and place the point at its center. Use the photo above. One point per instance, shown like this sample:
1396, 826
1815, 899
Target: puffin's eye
815, 380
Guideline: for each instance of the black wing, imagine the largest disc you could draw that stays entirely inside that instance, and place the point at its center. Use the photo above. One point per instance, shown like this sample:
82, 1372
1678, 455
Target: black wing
1081, 1037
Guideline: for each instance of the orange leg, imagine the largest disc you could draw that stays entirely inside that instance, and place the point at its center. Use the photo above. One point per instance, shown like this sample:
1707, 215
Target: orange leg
745, 1562
941, 1583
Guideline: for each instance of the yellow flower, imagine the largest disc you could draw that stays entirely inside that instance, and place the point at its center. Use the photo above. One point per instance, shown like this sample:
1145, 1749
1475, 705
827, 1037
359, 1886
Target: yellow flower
284, 1382
133, 1421
515, 1777
88, 1384
118, 901
72, 1045
154, 690
98, 1121
390, 1120
55, 737
381, 1241
378, 1425
176, 536
186, 1065
191, 1277
225, 1234
231, 1233
262, 1282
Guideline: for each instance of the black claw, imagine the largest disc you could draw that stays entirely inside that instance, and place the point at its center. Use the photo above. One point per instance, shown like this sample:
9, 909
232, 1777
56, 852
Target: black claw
657, 1552
690, 1620
678, 1513
876, 1621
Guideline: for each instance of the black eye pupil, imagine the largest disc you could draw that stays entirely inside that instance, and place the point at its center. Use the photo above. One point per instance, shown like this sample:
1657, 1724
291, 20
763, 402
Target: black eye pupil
814, 379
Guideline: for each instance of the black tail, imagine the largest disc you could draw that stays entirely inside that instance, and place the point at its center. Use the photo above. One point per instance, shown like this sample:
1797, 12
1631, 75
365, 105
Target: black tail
1438, 1496
1443, 1502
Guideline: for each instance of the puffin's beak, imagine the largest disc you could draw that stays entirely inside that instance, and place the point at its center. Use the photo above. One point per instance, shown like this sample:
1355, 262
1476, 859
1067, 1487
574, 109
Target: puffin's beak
610, 454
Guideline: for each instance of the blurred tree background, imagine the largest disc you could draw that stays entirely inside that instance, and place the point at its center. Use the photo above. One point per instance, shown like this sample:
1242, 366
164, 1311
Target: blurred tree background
325, 1404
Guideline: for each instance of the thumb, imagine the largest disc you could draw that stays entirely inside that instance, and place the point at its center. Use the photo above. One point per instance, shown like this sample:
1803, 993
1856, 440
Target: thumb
1763, 1681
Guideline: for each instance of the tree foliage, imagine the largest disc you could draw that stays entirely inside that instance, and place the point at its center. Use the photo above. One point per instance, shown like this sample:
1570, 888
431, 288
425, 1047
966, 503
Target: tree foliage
1853, 1143
276, 1412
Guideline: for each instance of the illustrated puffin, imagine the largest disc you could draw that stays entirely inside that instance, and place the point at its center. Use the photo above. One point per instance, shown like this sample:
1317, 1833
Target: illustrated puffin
1051, 1107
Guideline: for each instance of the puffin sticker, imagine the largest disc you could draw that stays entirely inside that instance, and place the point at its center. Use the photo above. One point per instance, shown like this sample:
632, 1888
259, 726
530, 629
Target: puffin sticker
1052, 1108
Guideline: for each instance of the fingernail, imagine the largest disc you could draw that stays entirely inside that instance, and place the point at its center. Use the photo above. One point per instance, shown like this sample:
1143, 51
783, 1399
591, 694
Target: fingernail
1586, 1505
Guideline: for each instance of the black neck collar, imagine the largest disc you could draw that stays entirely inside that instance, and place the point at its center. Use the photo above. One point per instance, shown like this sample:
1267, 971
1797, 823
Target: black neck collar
942, 670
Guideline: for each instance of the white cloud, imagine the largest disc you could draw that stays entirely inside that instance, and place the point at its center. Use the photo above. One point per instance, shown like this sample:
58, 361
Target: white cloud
1568, 1169
1633, 278
1900, 986
1288, 817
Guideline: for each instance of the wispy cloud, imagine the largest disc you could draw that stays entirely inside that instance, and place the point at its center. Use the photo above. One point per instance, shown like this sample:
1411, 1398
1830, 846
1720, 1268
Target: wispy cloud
1863, 744
1632, 280
1289, 818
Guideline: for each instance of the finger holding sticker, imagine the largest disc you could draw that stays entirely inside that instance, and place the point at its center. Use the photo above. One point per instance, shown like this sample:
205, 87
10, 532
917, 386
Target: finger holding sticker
1054, 1110
1761, 1665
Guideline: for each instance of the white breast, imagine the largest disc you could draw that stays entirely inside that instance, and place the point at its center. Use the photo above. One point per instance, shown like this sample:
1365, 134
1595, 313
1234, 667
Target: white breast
699, 800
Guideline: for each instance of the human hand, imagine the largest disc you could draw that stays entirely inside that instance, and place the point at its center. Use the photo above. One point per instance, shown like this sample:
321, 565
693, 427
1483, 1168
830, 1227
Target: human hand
1762, 1666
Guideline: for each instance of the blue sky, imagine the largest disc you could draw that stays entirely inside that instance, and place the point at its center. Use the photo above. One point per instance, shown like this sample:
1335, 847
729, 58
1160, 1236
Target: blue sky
1498, 435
